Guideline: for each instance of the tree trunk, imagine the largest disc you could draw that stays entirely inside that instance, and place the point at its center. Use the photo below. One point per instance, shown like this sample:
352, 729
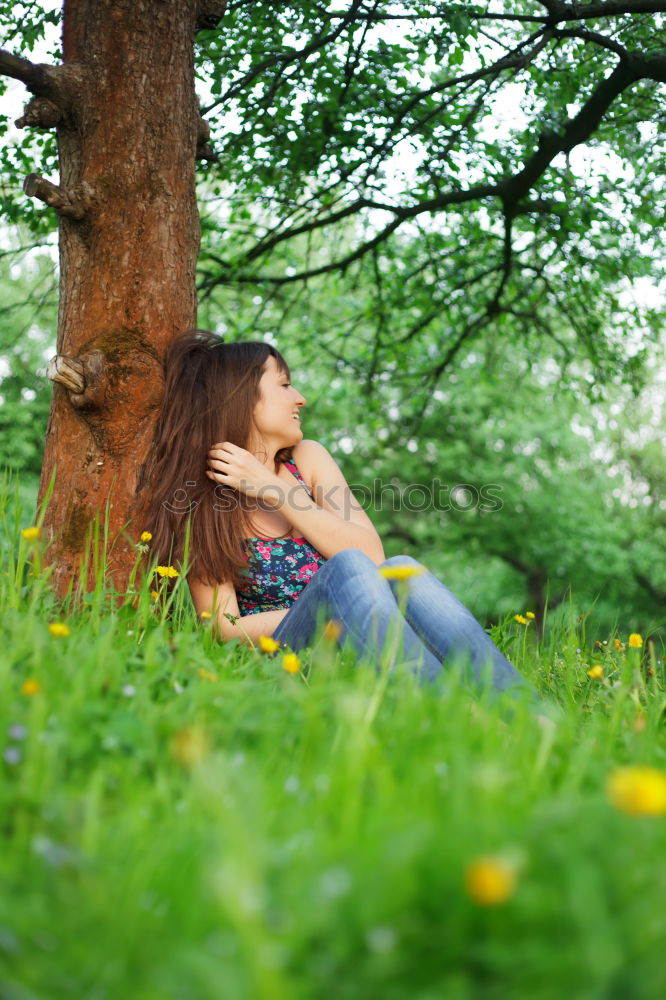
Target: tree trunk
128, 251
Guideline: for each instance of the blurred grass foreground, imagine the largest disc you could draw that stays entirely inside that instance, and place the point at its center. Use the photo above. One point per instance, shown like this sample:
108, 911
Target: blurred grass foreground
188, 820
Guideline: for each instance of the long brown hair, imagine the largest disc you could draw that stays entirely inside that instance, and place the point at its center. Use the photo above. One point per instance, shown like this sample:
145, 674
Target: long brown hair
210, 392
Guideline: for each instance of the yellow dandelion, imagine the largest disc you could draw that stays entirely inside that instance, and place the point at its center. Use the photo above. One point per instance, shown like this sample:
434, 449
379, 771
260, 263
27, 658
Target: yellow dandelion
189, 746
596, 672
400, 572
638, 790
618, 645
59, 630
31, 534
207, 675
291, 663
332, 630
155, 595
635, 641
145, 536
520, 619
268, 645
205, 615
169, 571
30, 687
530, 615
490, 881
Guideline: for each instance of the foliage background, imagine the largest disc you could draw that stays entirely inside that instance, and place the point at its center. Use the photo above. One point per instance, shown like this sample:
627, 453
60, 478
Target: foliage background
426, 353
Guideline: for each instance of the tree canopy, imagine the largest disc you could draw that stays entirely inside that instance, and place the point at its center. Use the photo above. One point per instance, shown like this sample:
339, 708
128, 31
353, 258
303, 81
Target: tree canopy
485, 167
440, 199
482, 166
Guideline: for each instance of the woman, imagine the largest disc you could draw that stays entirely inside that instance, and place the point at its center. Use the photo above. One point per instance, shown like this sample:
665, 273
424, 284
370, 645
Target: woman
273, 539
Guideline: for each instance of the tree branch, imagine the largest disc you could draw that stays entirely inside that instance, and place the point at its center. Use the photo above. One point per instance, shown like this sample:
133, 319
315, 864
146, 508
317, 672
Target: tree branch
36, 76
68, 372
507, 262
646, 583
205, 148
654, 67
559, 11
210, 14
284, 58
56, 88
40, 112
594, 37
72, 204
473, 15
513, 190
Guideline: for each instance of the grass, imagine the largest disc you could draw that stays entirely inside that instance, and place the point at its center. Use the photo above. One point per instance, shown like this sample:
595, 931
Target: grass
186, 820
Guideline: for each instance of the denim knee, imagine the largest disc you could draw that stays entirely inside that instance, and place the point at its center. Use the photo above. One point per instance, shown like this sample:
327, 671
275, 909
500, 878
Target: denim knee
401, 560
351, 559
355, 568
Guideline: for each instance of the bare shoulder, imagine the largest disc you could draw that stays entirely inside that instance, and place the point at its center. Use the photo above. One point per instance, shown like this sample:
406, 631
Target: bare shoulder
311, 458
309, 450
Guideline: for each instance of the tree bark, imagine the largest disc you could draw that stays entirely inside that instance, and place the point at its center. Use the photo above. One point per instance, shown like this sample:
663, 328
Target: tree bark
127, 263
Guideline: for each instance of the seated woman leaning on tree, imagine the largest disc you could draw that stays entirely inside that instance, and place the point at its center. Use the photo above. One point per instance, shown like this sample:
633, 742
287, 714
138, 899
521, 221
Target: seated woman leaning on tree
277, 542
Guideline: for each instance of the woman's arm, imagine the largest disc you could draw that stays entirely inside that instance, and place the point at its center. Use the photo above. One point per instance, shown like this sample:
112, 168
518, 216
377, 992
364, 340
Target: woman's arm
335, 520
220, 601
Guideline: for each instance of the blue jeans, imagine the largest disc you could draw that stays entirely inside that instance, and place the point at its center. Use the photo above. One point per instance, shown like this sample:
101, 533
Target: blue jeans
426, 622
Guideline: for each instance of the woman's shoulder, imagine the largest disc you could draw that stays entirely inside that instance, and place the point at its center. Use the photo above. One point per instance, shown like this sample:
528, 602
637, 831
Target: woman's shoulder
307, 449
307, 455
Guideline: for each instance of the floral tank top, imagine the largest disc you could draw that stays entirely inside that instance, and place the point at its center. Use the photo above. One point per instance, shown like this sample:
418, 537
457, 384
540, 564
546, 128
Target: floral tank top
278, 568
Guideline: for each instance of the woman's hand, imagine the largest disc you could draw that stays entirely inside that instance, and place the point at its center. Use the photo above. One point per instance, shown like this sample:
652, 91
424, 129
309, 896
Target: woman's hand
232, 466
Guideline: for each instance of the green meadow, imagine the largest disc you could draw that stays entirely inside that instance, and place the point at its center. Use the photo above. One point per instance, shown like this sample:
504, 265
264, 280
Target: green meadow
186, 820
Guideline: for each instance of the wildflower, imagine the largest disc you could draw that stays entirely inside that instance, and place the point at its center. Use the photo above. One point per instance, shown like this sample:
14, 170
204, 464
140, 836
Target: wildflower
635, 641
31, 534
155, 596
596, 672
490, 881
332, 630
12, 755
129, 690
59, 630
268, 645
145, 536
530, 615
30, 687
520, 619
205, 615
637, 791
189, 746
207, 675
400, 572
169, 571
291, 663
17, 732
618, 645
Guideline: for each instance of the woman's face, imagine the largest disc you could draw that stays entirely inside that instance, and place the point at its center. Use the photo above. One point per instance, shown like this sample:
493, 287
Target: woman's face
276, 413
